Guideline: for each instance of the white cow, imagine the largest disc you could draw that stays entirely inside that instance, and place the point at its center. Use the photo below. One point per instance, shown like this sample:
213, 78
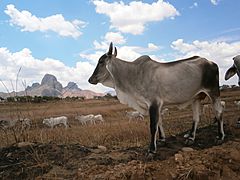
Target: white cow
165, 112
207, 108
98, 118
84, 119
53, 121
147, 85
237, 103
134, 115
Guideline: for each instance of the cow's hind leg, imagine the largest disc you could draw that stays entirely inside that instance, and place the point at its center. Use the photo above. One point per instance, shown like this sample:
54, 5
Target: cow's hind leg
190, 137
218, 109
162, 137
154, 120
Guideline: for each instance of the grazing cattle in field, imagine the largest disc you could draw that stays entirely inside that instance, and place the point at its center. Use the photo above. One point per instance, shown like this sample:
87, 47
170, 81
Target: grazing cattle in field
84, 119
223, 103
98, 118
207, 107
134, 115
5, 124
165, 112
207, 110
237, 103
147, 85
25, 123
54, 121
234, 69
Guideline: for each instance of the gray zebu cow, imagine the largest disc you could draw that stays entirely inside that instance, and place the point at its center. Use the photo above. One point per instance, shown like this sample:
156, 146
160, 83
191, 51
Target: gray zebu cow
147, 85
235, 68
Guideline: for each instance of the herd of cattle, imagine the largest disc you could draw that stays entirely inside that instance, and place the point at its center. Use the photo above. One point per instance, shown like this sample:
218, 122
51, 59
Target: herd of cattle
91, 119
148, 86
25, 123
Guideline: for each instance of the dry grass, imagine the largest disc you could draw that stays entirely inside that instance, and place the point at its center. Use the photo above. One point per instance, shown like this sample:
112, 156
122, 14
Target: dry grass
115, 132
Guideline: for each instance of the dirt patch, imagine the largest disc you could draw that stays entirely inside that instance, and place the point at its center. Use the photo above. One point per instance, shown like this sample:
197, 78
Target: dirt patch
203, 160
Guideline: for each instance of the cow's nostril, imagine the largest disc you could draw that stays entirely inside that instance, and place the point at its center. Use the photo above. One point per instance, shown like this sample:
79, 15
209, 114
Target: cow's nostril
92, 80
89, 80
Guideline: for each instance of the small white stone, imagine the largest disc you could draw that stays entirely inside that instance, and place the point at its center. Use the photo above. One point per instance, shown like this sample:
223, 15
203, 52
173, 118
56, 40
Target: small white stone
102, 148
187, 149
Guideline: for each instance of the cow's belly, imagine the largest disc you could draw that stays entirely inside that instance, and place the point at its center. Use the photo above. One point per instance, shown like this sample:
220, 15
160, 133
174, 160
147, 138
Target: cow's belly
138, 103
182, 99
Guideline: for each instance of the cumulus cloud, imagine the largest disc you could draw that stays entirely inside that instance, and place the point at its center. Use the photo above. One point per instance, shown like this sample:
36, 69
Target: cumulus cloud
128, 53
55, 23
219, 52
133, 17
33, 70
114, 37
215, 2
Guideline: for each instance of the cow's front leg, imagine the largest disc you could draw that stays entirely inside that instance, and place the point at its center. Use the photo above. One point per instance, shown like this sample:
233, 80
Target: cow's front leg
154, 112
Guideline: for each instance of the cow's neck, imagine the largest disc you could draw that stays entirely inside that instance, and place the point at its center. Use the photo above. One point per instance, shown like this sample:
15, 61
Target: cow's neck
125, 78
122, 72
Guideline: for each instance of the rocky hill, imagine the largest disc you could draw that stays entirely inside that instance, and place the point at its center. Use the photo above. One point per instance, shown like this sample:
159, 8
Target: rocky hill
50, 86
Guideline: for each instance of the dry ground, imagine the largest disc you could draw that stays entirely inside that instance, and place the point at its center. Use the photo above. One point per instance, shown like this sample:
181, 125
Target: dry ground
116, 149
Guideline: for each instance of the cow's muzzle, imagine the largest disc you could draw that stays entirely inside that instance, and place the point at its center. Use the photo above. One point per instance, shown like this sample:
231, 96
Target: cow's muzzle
92, 80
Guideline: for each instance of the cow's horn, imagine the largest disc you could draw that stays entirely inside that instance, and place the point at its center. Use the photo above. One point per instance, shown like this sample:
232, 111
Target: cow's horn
110, 49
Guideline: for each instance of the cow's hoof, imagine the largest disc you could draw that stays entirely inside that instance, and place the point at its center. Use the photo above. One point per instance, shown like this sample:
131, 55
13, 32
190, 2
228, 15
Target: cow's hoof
161, 142
150, 155
219, 141
189, 141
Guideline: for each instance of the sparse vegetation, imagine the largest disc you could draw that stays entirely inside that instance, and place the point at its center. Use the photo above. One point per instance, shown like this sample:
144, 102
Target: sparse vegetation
73, 153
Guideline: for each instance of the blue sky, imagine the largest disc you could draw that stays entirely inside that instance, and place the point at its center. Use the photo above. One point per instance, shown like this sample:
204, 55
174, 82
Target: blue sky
66, 38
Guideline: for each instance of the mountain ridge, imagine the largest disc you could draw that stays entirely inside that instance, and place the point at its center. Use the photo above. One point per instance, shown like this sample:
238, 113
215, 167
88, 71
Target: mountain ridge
50, 86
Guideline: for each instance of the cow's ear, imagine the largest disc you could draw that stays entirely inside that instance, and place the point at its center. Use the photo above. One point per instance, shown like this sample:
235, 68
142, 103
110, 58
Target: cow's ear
109, 53
230, 72
115, 52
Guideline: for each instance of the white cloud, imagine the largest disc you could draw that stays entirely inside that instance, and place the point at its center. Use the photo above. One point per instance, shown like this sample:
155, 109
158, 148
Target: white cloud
115, 37
127, 53
33, 70
152, 47
215, 2
195, 4
133, 17
55, 23
219, 52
